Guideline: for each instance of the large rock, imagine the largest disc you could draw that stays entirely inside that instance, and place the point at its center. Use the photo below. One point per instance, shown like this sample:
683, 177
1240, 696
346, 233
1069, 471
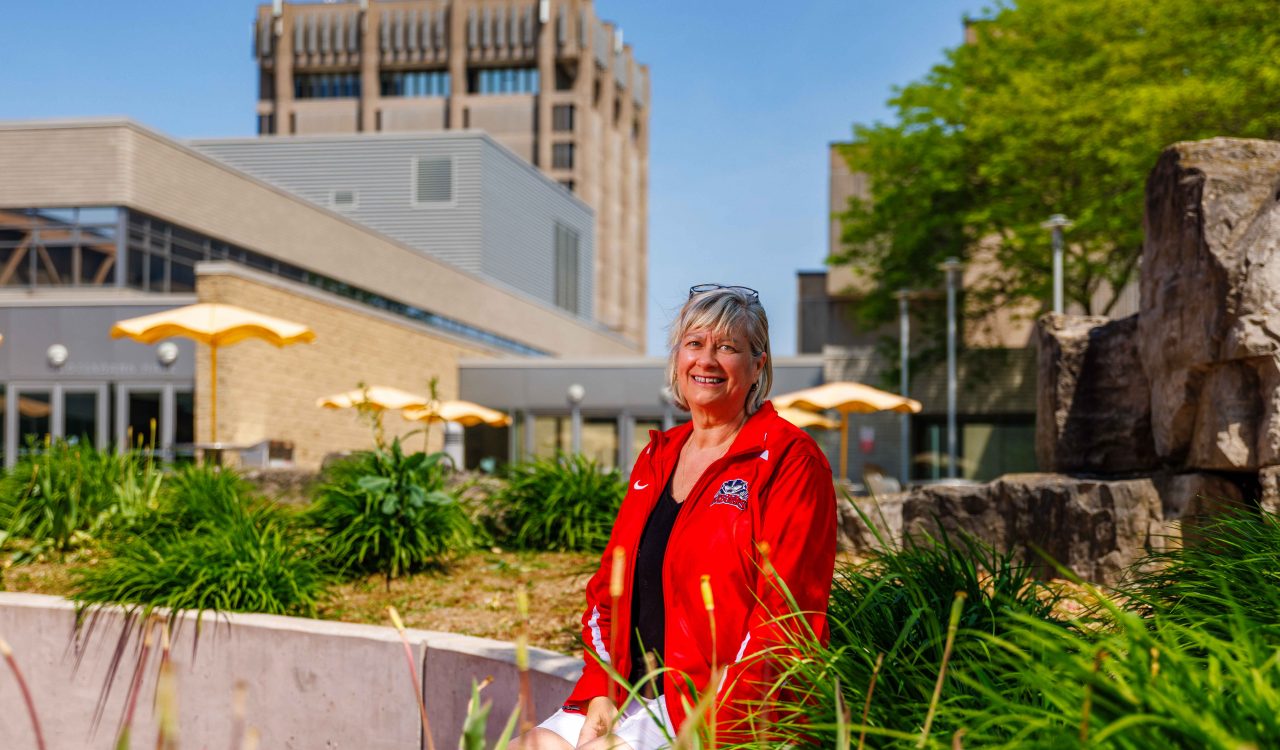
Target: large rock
1093, 411
1097, 529
1191, 501
1209, 327
857, 516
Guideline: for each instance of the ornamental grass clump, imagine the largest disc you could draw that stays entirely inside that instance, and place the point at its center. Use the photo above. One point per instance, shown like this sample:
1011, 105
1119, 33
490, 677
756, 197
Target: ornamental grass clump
389, 511
62, 495
890, 618
1186, 654
564, 504
209, 545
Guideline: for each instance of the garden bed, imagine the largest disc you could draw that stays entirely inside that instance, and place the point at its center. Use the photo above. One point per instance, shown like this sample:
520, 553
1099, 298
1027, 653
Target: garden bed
474, 596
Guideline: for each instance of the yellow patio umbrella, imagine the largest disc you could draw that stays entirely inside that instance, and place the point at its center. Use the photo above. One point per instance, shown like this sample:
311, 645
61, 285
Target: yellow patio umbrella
376, 396
847, 398
464, 413
214, 324
802, 418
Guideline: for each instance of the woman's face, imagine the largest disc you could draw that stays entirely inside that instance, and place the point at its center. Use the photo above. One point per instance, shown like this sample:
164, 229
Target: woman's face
715, 372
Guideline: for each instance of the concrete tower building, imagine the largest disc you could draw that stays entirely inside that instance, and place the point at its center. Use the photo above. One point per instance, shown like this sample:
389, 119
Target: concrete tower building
545, 78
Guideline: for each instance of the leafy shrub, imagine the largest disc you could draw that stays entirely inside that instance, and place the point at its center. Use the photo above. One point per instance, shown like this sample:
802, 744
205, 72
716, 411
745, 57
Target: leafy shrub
209, 545
564, 504
388, 511
60, 494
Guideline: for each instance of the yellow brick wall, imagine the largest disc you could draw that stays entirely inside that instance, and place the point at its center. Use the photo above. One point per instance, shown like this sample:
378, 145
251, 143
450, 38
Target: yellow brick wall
269, 393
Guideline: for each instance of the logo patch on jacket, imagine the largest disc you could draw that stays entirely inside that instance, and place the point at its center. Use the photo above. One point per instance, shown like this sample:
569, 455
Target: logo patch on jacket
732, 492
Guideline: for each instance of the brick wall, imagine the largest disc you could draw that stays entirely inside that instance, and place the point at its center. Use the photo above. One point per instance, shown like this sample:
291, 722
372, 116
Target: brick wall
269, 393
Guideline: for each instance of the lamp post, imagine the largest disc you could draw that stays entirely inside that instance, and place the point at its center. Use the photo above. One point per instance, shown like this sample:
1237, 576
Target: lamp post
1056, 224
575, 394
904, 360
952, 268
668, 410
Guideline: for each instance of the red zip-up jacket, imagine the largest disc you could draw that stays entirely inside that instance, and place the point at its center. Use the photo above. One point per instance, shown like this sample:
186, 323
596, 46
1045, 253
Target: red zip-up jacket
773, 486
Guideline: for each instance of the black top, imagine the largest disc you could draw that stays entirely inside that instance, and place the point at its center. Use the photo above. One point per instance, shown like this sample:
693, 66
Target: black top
648, 606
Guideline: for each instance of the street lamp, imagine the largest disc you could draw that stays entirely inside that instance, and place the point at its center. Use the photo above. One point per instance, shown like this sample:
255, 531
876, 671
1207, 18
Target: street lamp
1056, 224
668, 412
952, 267
575, 394
904, 358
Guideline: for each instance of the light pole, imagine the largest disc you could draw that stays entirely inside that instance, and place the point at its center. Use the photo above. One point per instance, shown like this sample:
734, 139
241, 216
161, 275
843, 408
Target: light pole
575, 394
952, 268
1056, 224
904, 359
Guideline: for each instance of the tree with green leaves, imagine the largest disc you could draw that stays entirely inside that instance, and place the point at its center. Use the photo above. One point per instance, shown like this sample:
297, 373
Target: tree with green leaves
1051, 107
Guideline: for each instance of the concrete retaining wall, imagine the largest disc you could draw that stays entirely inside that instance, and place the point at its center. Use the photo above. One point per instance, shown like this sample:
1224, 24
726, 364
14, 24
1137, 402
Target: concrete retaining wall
310, 683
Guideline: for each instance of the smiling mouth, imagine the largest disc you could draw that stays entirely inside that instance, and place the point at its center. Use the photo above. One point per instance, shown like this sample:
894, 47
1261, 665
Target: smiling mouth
707, 381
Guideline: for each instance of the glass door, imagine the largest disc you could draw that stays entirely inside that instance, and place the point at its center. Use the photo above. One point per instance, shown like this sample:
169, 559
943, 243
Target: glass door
84, 415
31, 421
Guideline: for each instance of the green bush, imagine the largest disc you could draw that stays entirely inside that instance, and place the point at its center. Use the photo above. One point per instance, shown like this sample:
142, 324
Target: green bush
208, 545
388, 511
60, 495
564, 504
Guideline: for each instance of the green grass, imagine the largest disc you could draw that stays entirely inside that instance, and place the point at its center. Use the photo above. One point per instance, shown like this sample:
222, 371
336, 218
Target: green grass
1186, 655
563, 504
209, 545
63, 495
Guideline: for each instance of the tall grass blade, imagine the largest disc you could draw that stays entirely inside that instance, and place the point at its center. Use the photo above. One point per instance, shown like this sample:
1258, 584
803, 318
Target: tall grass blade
413, 676
7, 652
953, 624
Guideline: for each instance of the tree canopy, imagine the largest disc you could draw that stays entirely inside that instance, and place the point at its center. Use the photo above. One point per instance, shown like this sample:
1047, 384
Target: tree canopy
1051, 107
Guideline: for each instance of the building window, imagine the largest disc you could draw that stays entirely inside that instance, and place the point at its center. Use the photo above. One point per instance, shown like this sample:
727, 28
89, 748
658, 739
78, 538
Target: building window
502, 81
562, 156
562, 118
566, 268
344, 199
569, 185
432, 181
415, 83
326, 86
266, 124
160, 253
266, 85
58, 247
564, 78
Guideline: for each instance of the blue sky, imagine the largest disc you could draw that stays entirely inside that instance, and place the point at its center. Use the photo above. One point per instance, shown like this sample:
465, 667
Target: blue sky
746, 97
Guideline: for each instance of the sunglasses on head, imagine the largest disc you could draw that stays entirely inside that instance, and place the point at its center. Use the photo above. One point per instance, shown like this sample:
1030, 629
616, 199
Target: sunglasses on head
703, 288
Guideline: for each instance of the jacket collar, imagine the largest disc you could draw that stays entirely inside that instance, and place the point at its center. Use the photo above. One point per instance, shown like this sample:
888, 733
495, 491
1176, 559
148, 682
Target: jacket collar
750, 438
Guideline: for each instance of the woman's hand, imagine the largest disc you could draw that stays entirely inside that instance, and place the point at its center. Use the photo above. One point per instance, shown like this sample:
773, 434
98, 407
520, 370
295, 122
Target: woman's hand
600, 715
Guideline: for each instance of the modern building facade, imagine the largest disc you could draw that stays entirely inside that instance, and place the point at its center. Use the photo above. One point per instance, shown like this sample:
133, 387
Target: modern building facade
456, 196
622, 399
546, 78
105, 220
996, 372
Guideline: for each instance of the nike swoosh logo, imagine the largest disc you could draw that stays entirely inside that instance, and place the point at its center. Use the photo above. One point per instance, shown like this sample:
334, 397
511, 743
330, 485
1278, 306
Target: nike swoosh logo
639, 486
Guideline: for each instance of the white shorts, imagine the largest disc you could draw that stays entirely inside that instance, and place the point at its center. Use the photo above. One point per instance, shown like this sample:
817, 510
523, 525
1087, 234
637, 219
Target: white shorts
643, 725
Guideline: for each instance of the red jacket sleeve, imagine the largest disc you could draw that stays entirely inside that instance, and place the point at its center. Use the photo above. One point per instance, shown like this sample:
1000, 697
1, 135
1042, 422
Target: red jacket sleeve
597, 620
799, 529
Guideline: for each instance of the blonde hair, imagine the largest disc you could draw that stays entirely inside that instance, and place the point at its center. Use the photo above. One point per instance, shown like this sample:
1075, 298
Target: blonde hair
721, 311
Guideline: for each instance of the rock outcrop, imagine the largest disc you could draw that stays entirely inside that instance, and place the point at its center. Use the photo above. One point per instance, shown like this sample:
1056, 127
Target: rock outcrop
1097, 529
1093, 410
1209, 326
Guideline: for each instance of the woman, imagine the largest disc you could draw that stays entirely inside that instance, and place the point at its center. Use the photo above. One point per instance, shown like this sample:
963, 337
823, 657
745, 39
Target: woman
737, 497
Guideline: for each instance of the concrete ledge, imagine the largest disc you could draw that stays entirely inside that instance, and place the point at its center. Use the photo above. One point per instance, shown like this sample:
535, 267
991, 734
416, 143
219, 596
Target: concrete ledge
310, 683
